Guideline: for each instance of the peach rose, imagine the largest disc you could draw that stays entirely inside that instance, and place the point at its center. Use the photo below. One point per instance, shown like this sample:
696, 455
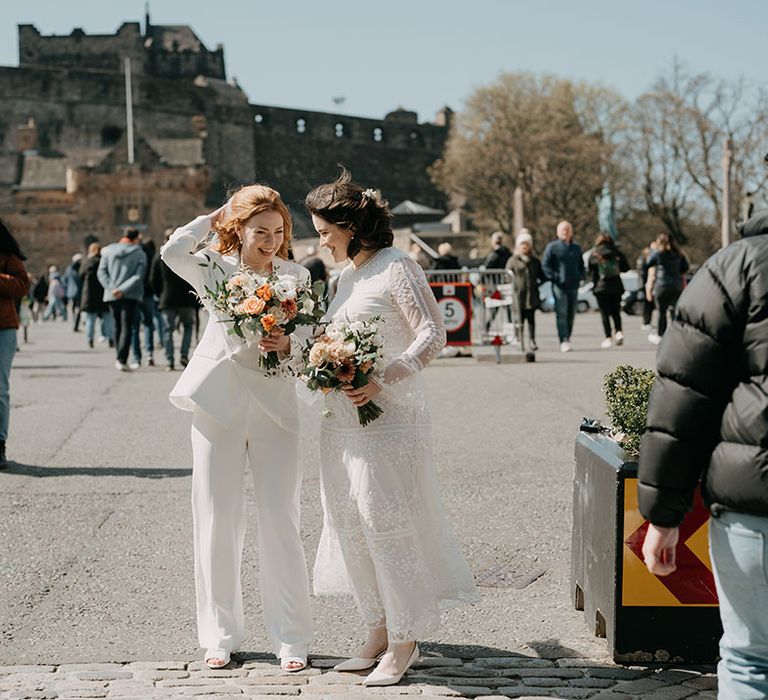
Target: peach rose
318, 355
264, 292
252, 306
268, 322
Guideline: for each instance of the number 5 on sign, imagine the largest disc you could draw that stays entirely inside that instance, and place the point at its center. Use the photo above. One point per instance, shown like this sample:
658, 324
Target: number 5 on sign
455, 305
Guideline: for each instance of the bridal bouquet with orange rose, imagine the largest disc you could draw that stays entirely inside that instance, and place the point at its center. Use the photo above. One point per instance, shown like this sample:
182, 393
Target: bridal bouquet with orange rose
258, 305
346, 353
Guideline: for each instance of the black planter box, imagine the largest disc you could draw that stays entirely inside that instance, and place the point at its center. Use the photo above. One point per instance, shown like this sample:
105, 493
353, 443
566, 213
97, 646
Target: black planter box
643, 617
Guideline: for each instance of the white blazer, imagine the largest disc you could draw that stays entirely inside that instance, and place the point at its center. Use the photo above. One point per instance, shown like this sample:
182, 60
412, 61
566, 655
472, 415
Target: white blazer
223, 370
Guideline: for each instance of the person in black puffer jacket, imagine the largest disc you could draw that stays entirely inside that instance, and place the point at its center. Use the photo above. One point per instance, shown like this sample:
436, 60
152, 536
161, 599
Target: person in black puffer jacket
708, 419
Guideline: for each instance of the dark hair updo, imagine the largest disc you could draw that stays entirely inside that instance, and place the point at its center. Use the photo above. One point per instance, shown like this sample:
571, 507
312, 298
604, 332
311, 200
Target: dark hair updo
362, 211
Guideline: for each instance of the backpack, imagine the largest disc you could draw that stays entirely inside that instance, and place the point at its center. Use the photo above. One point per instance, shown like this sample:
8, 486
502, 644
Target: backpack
607, 267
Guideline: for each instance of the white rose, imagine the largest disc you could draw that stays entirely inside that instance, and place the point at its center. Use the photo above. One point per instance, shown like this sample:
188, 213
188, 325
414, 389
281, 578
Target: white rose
285, 287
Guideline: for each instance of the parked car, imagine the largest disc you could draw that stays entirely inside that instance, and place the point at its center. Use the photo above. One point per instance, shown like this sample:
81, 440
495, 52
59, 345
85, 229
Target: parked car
585, 301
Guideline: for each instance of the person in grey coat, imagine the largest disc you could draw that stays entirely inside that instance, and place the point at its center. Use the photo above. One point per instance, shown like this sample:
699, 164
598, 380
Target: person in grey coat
121, 273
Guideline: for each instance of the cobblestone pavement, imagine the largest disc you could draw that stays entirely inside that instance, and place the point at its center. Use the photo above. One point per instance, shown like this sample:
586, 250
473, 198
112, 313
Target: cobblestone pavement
95, 561
432, 676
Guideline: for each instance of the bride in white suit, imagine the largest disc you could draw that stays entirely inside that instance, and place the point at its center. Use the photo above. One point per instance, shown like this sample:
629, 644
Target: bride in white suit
241, 417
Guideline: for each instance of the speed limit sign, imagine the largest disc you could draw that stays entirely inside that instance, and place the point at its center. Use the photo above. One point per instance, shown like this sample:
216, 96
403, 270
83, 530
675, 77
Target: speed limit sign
455, 302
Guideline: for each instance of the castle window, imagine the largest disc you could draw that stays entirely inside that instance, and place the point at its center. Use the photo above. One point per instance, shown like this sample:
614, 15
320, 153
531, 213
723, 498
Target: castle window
258, 118
110, 135
339, 130
413, 136
301, 125
378, 135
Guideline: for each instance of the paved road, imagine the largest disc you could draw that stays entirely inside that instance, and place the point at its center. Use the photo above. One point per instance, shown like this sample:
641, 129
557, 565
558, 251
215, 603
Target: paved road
95, 553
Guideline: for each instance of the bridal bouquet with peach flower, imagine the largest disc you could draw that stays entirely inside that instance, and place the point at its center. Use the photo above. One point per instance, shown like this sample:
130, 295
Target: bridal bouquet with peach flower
346, 353
258, 305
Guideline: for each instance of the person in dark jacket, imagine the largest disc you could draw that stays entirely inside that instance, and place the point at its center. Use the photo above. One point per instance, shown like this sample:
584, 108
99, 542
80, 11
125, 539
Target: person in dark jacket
14, 285
606, 263
499, 255
666, 267
315, 265
708, 420
92, 298
641, 267
177, 301
149, 317
39, 297
564, 266
445, 259
528, 276
73, 288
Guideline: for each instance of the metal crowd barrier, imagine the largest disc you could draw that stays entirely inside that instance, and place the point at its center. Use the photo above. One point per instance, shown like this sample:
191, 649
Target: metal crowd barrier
494, 313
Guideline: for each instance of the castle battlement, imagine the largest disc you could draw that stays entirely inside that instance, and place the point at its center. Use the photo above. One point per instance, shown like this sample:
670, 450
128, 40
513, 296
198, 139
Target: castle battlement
170, 51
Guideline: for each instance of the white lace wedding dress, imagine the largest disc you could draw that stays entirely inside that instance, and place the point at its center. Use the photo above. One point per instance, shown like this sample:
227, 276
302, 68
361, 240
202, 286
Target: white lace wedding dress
385, 536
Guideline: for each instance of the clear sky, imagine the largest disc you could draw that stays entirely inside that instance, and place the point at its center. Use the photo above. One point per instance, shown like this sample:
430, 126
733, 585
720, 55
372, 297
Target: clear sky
423, 54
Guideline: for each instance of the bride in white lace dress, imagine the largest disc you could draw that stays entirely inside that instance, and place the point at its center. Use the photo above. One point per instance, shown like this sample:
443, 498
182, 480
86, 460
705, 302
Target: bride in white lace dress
385, 537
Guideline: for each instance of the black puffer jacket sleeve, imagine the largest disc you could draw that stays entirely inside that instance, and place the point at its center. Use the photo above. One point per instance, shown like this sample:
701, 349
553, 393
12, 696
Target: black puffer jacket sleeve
699, 363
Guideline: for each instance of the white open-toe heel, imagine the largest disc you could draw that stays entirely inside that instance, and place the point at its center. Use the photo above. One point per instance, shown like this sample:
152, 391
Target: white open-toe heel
216, 655
377, 678
285, 660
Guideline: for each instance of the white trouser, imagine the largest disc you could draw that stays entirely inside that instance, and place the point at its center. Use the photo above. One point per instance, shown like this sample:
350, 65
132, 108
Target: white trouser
218, 508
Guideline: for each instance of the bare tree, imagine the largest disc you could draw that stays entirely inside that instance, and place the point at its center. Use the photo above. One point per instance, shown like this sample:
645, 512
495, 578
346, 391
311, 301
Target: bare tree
663, 181
541, 134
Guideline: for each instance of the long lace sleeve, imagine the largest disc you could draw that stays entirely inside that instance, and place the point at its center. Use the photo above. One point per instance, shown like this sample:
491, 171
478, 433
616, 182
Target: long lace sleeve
412, 295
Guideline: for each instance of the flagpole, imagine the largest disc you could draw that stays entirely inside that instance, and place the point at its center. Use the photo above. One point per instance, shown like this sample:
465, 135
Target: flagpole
129, 108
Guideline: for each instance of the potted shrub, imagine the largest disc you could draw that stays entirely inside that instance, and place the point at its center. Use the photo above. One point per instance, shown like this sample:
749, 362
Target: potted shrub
641, 619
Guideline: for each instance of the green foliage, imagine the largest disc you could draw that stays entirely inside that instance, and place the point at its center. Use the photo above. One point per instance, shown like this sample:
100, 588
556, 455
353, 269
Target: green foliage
626, 392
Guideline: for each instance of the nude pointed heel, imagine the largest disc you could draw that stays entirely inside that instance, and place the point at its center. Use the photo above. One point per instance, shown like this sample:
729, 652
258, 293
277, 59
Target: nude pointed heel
377, 678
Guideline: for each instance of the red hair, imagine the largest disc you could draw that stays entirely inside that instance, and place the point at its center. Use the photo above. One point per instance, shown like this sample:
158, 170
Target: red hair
248, 201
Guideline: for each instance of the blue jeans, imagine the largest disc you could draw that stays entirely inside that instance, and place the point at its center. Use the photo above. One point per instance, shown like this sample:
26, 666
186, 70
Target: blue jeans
7, 351
739, 551
56, 307
565, 310
149, 318
186, 317
106, 324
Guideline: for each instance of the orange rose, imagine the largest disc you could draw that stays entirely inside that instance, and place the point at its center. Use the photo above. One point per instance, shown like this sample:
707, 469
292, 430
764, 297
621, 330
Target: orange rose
268, 322
264, 292
252, 306
366, 366
290, 307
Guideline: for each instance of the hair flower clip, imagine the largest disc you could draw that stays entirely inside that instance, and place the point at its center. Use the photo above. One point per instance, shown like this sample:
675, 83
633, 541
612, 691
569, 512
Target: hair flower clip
369, 193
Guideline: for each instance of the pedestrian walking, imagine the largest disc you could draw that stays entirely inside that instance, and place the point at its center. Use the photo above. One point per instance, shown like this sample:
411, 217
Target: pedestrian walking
384, 524
121, 273
150, 319
497, 260
563, 265
177, 303
92, 300
606, 263
315, 265
445, 259
242, 417
73, 287
39, 297
57, 296
707, 424
14, 285
499, 255
528, 275
666, 267
641, 266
